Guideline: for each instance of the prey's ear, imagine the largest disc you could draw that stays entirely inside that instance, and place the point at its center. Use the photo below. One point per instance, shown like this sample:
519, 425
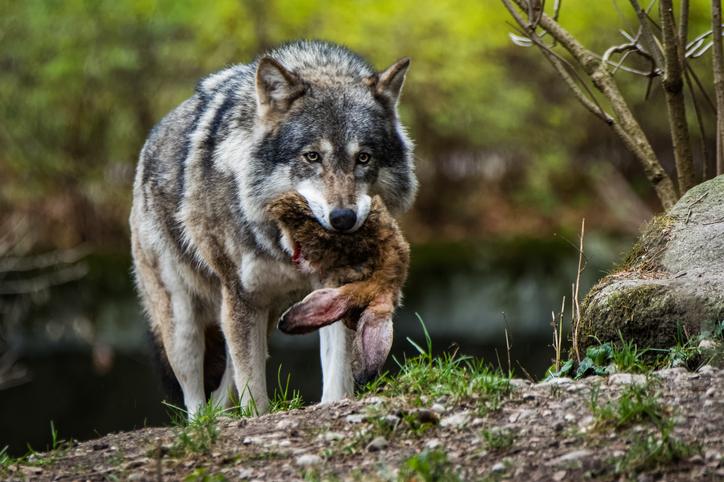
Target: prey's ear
320, 308
276, 87
372, 344
387, 85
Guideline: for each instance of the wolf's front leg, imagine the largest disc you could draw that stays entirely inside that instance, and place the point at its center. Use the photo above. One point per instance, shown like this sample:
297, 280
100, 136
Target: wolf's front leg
245, 330
335, 346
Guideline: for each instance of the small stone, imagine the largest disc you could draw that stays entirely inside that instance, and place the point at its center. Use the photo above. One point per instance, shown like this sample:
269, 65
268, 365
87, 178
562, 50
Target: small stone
308, 459
391, 420
556, 381
377, 444
456, 420
332, 436
520, 383
671, 373
285, 443
374, 400
354, 418
424, 415
433, 443
100, 446
707, 344
574, 456
245, 473
285, 424
498, 468
559, 475
438, 408
707, 370
709, 392
247, 441
627, 379
712, 455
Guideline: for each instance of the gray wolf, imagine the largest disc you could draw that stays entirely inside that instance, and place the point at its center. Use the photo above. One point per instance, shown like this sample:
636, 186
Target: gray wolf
362, 274
310, 117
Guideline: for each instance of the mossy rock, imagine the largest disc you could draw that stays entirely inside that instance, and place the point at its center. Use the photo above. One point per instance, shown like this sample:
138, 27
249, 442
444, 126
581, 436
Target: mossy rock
671, 284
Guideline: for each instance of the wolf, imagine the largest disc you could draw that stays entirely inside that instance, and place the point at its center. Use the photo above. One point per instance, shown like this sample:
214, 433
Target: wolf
310, 117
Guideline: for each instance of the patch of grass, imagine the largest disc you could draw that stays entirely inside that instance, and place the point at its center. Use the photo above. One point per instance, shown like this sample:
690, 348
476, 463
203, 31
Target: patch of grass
198, 434
33, 457
283, 400
498, 439
636, 404
202, 474
649, 451
428, 466
449, 375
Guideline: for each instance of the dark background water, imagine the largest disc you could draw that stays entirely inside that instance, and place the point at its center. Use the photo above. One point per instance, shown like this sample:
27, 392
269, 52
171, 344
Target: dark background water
85, 345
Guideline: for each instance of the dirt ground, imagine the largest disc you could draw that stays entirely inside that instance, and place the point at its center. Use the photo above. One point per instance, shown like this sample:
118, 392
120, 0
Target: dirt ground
542, 431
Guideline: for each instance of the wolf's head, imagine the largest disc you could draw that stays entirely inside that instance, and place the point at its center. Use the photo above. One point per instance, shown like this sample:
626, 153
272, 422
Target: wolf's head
327, 126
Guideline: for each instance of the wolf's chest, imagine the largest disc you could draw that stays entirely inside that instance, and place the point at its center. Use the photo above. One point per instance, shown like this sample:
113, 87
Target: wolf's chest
270, 279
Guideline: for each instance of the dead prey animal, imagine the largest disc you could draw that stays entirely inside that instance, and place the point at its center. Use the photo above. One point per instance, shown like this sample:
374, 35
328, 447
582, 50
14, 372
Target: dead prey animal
361, 276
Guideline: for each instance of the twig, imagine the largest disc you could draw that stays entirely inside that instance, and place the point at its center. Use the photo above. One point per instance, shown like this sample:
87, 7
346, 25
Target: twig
577, 312
674, 92
718, 65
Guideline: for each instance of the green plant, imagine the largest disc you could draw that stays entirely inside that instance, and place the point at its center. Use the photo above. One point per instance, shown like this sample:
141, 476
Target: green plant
198, 434
283, 400
428, 466
653, 450
448, 375
202, 474
498, 439
636, 404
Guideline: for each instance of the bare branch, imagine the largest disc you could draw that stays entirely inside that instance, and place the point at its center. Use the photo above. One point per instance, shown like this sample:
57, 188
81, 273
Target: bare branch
718, 63
674, 92
648, 37
683, 29
625, 126
700, 123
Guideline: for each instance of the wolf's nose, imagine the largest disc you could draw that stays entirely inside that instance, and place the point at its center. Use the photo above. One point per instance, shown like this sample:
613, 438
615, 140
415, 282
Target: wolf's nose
342, 219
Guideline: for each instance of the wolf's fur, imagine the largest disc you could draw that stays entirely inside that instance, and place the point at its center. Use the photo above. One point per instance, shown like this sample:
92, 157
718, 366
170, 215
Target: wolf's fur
206, 253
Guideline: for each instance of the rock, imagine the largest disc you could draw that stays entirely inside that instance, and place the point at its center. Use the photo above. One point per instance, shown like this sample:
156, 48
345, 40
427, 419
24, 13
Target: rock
354, 418
707, 344
571, 457
627, 379
424, 415
308, 459
377, 444
520, 383
671, 373
285, 424
433, 443
332, 436
455, 420
672, 280
438, 408
559, 475
498, 467
245, 473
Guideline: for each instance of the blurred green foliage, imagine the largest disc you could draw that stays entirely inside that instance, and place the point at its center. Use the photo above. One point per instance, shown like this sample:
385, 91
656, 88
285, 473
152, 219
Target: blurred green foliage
502, 147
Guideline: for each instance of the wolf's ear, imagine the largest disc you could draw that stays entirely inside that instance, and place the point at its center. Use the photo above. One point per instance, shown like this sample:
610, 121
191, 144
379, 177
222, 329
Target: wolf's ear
387, 85
276, 87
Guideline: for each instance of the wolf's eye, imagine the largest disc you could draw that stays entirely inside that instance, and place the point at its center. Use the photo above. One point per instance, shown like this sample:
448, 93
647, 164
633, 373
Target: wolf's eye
363, 158
312, 156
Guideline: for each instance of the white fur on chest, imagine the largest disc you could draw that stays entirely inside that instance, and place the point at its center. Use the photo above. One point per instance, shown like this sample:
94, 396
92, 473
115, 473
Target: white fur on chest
270, 279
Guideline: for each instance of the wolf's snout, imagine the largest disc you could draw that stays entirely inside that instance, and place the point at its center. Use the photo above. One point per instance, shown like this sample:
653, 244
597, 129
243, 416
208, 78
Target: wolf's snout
342, 219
